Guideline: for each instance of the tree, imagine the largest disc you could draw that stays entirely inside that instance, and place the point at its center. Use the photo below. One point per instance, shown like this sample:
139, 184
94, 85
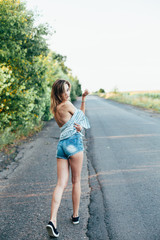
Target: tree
28, 70
21, 45
101, 90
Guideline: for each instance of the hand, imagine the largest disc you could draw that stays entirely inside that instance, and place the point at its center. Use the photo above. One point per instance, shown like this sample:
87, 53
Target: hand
86, 92
78, 127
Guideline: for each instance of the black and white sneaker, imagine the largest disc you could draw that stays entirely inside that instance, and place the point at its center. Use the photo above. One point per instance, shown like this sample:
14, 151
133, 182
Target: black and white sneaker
75, 220
52, 231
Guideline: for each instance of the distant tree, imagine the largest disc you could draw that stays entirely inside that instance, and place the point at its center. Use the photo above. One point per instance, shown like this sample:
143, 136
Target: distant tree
101, 90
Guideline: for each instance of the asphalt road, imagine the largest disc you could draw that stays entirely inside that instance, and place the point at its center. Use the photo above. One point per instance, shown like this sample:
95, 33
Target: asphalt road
120, 179
26, 191
123, 151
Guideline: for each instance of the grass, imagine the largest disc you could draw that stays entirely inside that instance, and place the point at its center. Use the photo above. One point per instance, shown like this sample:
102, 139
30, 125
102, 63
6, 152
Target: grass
144, 99
8, 139
9, 142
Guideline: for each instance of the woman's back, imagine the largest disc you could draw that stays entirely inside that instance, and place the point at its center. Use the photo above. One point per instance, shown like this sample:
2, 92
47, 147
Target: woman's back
64, 112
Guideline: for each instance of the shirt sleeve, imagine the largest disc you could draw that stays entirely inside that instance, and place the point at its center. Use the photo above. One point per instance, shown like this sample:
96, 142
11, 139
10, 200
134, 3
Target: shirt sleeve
84, 122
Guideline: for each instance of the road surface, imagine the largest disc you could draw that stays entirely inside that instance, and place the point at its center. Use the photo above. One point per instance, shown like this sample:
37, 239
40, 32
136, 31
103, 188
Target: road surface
26, 191
120, 179
123, 150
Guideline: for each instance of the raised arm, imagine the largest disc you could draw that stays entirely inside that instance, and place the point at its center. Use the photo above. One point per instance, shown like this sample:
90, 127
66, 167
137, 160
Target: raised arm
83, 100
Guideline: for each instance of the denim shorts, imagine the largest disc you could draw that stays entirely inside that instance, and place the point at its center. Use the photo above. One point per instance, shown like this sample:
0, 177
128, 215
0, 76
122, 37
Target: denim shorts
70, 146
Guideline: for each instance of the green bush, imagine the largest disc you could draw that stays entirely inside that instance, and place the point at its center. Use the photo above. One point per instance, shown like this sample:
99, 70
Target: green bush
28, 70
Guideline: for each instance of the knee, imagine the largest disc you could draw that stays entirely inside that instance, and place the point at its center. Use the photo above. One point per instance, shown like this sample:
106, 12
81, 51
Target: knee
76, 179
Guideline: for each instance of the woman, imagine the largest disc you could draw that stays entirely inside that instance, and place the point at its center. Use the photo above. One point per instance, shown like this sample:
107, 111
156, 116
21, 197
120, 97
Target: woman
69, 149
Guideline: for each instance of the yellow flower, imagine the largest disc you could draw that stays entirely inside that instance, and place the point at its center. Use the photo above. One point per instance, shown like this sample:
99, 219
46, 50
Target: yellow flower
3, 68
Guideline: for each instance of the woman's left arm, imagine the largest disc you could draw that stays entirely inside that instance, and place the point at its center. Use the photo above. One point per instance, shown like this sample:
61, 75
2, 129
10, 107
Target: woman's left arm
83, 100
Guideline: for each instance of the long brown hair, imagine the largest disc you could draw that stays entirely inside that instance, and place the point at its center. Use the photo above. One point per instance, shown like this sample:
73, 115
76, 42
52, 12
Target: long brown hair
57, 90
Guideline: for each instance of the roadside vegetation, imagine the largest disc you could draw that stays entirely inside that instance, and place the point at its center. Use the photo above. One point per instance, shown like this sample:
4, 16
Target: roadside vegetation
28, 69
144, 99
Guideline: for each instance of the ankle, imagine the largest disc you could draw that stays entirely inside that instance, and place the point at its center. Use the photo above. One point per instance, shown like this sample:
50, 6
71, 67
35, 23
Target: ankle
54, 222
75, 215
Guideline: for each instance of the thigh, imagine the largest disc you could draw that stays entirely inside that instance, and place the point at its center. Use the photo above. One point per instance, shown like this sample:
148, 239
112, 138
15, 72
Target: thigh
76, 162
62, 171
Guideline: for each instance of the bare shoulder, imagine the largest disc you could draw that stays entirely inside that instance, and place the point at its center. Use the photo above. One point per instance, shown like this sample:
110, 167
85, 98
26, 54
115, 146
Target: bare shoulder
69, 107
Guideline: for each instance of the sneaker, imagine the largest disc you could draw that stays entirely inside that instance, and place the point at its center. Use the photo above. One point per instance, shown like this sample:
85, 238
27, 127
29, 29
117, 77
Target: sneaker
75, 220
52, 231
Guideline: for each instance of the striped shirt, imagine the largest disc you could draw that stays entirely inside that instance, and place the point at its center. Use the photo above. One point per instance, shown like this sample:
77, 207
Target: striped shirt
68, 129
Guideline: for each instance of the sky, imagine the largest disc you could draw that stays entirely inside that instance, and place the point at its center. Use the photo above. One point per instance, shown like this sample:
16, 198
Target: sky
108, 43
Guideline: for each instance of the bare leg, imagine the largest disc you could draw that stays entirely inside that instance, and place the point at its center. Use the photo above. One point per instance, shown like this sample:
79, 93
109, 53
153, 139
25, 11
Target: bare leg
76, 162
62, 175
